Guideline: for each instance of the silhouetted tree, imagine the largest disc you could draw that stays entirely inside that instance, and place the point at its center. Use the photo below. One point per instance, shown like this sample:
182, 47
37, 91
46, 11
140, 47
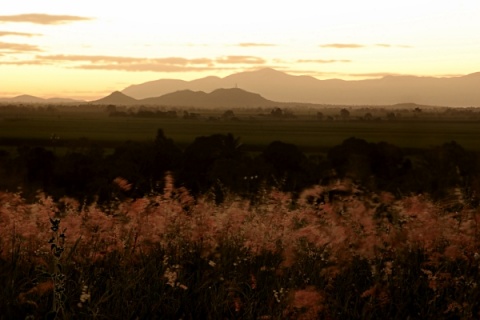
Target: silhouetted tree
391, 116
229, 114
111, 109
38, 166
445, 167
205, 162
389, 167
80, 175
368, 116
167, 156
276, 112
344, 114
289, 166
351, 158
375, 165
135, 162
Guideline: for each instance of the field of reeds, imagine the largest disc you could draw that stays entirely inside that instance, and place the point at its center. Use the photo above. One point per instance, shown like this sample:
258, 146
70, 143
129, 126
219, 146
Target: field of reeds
334, 252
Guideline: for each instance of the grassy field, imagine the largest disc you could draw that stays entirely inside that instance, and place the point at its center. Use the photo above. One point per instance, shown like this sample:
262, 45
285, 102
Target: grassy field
334, 251
309, 134
166, 256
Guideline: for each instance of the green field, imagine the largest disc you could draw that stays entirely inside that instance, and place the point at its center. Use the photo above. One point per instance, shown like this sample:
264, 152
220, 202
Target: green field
309, 134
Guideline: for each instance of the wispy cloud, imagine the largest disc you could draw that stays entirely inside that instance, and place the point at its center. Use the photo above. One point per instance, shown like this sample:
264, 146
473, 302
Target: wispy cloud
322, 61
125, 60
312, 73
46, 19
255, 44
22, 62
145, 67
168, 64
375, 74
386, 45
138, 64
240, 60
342, 45
18, 34
358, 45
18, 47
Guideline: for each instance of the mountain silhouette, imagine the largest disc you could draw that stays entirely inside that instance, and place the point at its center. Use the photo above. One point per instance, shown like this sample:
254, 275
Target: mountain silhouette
233, 97
279, 86
25, 98
116, 98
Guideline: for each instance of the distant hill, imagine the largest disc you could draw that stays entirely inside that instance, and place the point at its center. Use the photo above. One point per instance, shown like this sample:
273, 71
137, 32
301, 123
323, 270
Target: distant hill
282, 87
232, 97
116, 98
25, 98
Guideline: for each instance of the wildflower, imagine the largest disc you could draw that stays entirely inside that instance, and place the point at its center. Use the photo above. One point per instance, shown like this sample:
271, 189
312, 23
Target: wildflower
278, 295
253, 282
373, 269
35, 293
387, 270
369, 292
452, 252
454, 307
309, 301
169, 186
165, 260
122, 184
84, 297
237, 303
182, 286
378, 293
171, 277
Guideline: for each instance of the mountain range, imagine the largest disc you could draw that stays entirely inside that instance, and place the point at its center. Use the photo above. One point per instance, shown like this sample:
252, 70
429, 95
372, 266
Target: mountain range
25, 98
232, 97
274, 85
271, 85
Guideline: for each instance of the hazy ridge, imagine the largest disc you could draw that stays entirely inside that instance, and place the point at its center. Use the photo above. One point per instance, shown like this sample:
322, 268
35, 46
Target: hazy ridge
269, 87
25, 98
278, 86
232, 97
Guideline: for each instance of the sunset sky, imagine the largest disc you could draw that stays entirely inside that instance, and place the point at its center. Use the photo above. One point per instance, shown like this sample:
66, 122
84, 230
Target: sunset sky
87, 49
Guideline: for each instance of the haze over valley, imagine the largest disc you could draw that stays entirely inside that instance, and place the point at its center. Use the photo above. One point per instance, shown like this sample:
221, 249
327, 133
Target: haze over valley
267, 87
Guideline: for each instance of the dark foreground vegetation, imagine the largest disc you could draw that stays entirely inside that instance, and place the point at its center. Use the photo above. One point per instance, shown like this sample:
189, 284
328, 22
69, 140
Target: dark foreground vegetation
214, 230
219, 164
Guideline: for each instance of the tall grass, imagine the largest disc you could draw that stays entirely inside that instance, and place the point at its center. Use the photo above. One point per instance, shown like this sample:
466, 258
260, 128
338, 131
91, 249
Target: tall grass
170, 256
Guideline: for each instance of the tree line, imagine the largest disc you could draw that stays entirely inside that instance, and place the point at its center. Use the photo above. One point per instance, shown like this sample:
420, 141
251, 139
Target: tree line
219, 164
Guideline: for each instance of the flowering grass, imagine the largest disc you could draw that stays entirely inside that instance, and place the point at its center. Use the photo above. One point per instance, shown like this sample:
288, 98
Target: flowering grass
171, 256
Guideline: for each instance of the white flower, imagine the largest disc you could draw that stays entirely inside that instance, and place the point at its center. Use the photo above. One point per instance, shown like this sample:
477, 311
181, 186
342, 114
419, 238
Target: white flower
84, 297
171, 277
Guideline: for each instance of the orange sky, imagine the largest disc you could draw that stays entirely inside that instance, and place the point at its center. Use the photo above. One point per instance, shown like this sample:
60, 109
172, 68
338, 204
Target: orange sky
86, 49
